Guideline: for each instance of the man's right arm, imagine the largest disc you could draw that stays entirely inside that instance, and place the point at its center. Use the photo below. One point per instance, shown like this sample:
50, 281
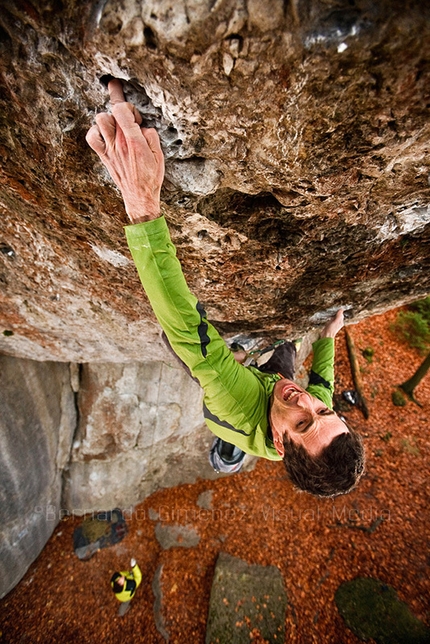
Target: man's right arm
227, 384
178, 311
132, 155
134, 159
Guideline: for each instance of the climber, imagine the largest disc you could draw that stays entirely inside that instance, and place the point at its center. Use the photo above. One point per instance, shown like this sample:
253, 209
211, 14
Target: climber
264, 414
124, 584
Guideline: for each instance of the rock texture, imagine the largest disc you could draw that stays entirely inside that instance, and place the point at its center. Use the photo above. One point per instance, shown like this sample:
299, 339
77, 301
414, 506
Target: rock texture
140, 427
37, 422
296, 138
247, 601
297, 180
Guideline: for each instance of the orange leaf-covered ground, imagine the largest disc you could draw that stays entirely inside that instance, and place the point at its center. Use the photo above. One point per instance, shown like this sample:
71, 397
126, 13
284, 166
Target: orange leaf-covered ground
379, 530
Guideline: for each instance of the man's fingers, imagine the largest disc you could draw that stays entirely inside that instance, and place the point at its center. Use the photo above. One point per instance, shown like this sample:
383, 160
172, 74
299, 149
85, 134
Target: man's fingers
95, 140
151, 135
117, 98
107, 126
338, 321
136, 114
116, 92
124, 116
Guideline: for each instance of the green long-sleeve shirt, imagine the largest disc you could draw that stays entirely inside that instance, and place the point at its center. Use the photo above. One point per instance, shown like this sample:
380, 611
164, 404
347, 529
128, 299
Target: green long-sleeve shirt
236, 398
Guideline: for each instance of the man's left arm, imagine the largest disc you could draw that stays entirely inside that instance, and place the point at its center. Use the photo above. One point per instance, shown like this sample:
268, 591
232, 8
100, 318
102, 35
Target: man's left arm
321, 379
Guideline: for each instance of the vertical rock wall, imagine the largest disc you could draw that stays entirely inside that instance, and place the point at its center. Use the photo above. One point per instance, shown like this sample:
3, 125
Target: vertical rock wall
77, 439
37, 422
140, 427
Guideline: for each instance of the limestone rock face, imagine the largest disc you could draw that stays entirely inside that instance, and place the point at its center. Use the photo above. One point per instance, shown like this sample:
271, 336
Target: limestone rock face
78, 439
140, 427
296, 142
37, 422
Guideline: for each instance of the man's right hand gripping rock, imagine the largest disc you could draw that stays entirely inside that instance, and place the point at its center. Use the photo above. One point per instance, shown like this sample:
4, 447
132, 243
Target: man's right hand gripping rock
132, 155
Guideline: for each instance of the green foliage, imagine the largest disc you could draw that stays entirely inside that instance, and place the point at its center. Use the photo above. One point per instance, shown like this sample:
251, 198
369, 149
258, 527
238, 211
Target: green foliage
413, 325
422, 307
398, 398
368, 354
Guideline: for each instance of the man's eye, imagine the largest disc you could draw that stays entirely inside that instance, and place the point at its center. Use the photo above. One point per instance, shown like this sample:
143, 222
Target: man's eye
302, 426
323, 412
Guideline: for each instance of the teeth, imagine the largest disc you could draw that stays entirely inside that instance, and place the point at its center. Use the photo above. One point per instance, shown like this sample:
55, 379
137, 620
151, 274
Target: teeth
291, 395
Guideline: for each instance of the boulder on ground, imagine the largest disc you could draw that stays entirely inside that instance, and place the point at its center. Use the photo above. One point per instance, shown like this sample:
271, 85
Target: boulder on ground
247, 601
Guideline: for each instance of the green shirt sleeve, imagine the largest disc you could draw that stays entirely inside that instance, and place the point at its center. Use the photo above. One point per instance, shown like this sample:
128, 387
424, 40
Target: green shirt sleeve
321, 381
236, 398
137, 575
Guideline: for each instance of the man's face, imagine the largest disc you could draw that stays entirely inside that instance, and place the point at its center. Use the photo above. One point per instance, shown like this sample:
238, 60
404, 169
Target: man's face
304, 418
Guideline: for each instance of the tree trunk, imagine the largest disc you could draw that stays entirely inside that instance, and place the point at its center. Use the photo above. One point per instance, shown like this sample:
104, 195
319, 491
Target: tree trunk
409, 385
355, 369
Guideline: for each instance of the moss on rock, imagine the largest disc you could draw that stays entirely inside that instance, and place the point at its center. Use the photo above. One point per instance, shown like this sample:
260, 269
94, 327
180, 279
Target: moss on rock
371, 609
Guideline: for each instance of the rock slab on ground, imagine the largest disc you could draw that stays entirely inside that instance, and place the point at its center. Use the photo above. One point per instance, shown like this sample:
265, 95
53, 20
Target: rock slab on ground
373, 610
173, 536
247, 601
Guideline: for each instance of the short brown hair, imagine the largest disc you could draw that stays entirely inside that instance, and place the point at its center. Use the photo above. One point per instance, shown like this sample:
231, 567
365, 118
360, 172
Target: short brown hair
335, 471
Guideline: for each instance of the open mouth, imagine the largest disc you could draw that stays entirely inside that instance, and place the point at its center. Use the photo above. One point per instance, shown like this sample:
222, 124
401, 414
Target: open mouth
288, 394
